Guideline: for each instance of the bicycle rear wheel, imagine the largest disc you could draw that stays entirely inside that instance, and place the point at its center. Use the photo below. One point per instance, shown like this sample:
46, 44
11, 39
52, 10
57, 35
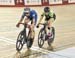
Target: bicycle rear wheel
51, 39
29, 41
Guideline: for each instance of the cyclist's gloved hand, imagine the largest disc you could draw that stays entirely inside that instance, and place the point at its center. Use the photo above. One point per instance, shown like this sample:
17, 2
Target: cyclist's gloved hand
37, 26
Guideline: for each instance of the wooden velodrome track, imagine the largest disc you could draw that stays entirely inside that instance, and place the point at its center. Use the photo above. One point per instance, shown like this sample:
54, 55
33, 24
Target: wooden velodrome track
64, 26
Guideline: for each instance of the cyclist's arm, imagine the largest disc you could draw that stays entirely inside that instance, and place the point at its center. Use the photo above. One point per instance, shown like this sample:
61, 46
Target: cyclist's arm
22, 17
41, 18
20, 20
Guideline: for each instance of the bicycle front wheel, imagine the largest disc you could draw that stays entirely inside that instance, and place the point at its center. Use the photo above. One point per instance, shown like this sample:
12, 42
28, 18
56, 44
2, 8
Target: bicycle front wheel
20, 41
41, 38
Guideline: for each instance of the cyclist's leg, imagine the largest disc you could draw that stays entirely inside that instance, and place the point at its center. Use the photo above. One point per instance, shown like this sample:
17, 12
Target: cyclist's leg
26, 21
50, 23
33, 23
32, 29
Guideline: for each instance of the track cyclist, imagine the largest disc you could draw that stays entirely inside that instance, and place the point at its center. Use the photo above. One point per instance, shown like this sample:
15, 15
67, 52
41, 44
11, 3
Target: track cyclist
29, 15
49, 18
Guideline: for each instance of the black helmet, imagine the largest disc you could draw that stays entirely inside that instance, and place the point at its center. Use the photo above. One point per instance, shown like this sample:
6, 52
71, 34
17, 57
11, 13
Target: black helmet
26, 10
46, 9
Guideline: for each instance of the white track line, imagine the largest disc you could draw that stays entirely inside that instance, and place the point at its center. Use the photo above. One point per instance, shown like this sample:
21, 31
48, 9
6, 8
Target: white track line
33, 47
7, 40
13, 42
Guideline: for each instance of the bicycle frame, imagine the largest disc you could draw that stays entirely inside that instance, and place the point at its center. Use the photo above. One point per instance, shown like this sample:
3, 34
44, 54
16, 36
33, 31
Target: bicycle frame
45, 24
